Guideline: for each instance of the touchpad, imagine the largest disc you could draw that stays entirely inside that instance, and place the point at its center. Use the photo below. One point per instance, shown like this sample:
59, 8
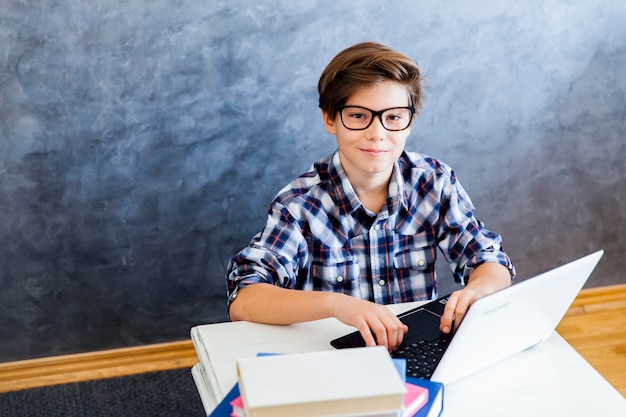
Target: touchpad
422, 323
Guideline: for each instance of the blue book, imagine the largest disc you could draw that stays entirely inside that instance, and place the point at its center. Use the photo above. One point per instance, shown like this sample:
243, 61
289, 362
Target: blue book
224, 408
434, 406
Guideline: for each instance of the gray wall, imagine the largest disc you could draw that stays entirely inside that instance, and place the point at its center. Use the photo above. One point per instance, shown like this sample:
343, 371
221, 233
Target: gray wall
141, 142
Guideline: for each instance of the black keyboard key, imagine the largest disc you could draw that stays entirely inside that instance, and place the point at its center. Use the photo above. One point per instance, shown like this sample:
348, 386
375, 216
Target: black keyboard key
422, 357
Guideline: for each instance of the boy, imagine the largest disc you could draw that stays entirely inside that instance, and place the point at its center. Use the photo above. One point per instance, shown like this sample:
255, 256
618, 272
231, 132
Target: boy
361, 228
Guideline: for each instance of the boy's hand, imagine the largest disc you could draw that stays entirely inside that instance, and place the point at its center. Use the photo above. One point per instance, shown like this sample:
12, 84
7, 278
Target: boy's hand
376, 323
485, 279
455, 310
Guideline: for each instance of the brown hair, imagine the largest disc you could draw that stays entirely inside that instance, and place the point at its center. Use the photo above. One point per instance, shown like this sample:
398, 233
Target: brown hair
365, 64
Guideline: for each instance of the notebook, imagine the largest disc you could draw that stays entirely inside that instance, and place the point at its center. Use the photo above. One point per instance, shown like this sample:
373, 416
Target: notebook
496, 326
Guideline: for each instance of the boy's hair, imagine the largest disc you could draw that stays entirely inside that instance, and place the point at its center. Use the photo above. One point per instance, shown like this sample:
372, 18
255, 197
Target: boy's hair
362, 65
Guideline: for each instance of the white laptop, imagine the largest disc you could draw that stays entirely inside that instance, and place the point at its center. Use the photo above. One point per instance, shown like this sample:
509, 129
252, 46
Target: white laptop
495, 327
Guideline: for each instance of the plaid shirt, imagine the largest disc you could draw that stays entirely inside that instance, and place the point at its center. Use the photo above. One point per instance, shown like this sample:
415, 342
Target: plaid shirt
318, 235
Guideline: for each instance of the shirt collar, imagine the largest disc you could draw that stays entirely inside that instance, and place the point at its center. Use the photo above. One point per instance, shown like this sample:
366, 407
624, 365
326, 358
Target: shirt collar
397, 190
344, 195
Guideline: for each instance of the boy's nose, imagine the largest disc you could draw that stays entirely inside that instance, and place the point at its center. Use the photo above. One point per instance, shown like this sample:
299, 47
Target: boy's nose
376, 131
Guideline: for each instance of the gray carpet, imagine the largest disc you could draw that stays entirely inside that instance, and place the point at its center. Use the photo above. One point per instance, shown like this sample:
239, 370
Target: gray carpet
166, 393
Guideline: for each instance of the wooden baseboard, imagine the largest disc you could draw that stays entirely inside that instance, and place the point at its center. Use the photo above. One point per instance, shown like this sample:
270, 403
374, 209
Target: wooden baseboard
96, 365
594, 326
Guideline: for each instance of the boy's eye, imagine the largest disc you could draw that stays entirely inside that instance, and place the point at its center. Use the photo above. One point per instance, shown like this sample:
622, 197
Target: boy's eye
358, 115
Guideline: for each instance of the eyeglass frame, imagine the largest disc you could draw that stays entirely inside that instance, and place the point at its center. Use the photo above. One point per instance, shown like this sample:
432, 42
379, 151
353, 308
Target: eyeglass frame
340, 108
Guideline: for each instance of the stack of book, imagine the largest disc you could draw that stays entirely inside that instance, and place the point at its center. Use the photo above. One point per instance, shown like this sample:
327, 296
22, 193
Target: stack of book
350, 382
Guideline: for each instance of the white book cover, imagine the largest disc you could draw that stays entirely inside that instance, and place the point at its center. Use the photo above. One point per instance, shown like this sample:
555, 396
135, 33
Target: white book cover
208, 401
350, 382
207, 367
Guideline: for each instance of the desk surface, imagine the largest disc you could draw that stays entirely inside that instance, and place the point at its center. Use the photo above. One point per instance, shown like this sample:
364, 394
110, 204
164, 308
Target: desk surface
549, 379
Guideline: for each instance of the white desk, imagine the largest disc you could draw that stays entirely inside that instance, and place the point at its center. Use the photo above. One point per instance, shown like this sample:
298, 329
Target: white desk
550, 379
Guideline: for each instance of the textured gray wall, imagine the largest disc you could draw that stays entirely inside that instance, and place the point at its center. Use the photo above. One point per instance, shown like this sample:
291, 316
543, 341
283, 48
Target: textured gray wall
141, 141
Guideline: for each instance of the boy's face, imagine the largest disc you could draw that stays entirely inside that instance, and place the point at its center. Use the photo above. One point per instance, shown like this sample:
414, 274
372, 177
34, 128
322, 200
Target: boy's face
370, 153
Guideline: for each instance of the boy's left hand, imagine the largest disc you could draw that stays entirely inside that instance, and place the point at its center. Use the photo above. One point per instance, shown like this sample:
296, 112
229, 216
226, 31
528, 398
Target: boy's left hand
485, 279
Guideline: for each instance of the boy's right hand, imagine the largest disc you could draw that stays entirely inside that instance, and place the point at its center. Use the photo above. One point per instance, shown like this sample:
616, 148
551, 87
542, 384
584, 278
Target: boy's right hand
376, 323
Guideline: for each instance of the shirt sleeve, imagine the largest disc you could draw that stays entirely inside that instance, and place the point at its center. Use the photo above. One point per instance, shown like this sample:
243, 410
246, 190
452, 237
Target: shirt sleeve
464, 240
274, 255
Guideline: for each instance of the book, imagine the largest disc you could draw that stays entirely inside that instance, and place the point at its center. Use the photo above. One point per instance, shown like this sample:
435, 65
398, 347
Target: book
238, 408
197, 372
347, 382
232, 404
204, 373
225, 408
434, 404
414, 399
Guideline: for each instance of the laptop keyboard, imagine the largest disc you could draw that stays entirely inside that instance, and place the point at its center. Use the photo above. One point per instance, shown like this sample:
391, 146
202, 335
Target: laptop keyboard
422, 356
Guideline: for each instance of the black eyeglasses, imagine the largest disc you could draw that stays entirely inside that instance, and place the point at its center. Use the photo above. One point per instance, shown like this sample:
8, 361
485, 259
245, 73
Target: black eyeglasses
360, 118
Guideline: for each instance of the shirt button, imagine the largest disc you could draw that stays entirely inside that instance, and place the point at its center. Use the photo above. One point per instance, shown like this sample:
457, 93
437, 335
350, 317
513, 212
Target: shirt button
421, 262
381, 282
377, 227
340, 279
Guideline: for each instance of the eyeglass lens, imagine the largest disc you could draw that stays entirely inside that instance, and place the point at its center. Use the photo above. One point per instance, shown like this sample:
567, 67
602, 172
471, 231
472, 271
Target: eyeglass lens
360, 118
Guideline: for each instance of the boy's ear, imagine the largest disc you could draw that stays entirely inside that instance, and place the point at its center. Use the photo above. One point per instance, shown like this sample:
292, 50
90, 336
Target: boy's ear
329, 123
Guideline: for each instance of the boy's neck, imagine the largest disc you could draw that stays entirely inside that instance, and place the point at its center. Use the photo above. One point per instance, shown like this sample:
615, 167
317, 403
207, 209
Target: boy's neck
372, 190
